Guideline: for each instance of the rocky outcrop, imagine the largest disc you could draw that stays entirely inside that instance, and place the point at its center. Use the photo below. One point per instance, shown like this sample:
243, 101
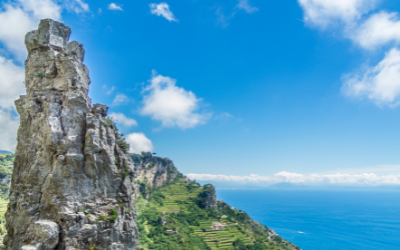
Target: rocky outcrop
6, 180
207, 198
72, 185
153, 171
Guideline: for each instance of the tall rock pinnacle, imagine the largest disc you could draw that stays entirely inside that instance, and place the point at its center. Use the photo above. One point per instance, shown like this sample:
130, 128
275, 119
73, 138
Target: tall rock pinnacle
72, 185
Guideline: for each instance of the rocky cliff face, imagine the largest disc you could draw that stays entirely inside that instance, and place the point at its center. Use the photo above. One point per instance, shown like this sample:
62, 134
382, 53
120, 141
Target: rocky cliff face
207, 198
72, 185
153, 172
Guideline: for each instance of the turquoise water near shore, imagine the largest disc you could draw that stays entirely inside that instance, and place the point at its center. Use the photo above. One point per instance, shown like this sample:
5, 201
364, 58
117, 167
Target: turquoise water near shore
325, 220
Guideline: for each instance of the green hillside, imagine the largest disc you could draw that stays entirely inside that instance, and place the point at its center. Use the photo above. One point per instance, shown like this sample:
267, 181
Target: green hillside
175, 207
6, 167
173, 216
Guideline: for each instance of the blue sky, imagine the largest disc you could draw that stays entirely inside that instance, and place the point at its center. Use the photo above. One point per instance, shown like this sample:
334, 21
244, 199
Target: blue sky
234, 88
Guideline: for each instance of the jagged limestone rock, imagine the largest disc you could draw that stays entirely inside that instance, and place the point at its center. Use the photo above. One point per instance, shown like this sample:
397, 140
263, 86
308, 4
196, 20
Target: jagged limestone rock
152, 170
72, 185
207, 198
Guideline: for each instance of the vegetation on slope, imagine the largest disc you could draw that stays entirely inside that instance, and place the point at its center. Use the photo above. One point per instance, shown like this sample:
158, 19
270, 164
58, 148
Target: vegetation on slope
171, 218
6, 167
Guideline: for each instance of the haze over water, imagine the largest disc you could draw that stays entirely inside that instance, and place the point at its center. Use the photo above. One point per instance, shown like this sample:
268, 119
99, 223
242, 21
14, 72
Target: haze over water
328, 220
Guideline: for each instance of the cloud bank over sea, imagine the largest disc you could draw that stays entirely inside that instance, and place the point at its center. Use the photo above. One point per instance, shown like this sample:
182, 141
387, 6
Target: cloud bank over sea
295, 178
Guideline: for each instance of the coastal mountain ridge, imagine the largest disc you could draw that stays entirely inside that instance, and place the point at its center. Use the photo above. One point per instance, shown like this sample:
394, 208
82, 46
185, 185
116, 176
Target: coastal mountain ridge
174, 212
75, 186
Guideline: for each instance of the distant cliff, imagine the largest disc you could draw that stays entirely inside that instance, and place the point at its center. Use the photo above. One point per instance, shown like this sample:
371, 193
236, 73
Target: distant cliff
207, 198
157, 171
177, 213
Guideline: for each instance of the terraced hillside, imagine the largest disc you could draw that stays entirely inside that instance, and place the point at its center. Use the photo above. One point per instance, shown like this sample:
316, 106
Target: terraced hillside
171, 218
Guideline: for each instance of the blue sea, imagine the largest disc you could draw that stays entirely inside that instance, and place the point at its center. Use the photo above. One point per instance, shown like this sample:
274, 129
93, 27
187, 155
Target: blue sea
325, 220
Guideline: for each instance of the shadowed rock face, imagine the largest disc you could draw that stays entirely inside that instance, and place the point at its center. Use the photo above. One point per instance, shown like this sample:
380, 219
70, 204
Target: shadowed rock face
207, 198
72, 186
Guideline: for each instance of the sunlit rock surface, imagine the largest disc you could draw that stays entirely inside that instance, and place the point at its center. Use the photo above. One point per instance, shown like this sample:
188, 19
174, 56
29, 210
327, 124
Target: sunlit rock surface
72, 185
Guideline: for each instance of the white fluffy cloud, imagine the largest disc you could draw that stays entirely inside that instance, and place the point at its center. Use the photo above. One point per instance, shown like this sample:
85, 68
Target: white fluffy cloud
379, 29
172, 105
120, 99
123, 120
162, 9
380, 83
139, 143
365, 178
41, 8
11, 83
113, 6
323, 13
244, 5
9, 124
16, 20
365, 29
